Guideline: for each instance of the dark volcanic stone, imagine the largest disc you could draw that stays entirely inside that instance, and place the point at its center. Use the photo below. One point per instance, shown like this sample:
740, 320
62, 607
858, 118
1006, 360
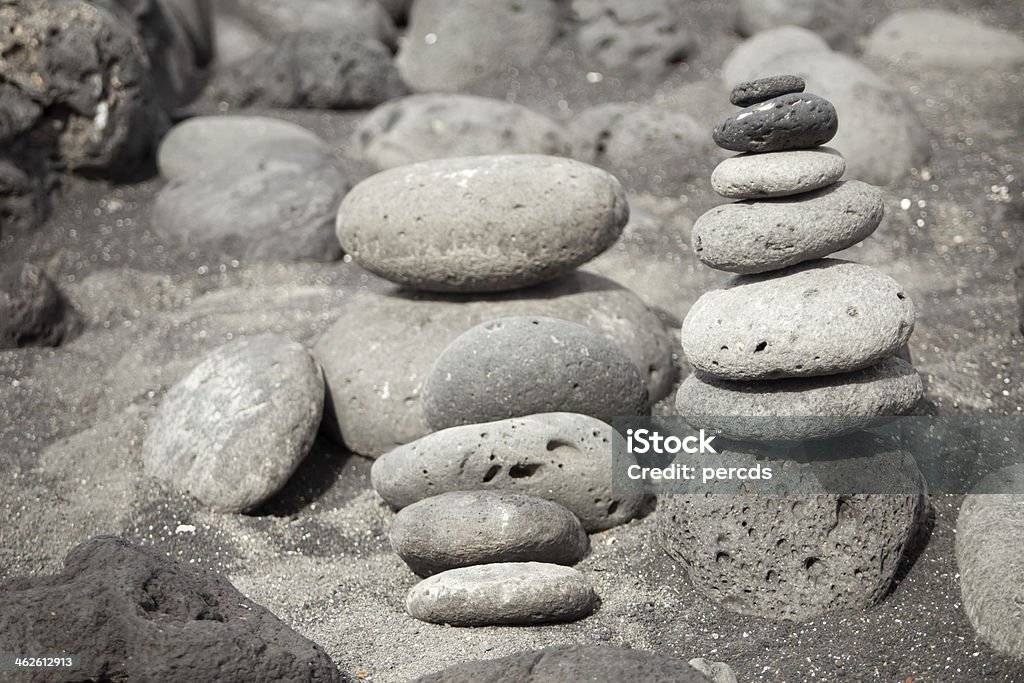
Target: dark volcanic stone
33, 311
571, 664
752, 92
135, 615
793, 121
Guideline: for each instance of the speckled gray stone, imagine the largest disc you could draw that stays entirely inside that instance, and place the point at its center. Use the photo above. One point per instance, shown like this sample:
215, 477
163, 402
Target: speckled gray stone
759, 236
988, 536
761, 89
794, 121
512, 367
481, 224
777, 174
464, 528
506, 593
800, 408
818, 318
562, 457
232, 431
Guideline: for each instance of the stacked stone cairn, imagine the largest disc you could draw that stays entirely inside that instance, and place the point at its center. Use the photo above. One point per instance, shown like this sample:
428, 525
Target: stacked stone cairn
496, 500
795, 356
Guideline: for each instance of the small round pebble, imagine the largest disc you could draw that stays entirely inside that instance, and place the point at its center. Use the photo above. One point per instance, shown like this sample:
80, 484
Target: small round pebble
508, 593
794, 121
465, 528
777, 174
752, 92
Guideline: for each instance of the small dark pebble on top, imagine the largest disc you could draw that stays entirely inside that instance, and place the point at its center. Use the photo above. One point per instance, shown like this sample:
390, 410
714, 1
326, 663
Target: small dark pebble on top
752, 92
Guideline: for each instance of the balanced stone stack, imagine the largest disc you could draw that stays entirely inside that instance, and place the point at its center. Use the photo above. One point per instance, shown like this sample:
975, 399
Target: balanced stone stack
797, 347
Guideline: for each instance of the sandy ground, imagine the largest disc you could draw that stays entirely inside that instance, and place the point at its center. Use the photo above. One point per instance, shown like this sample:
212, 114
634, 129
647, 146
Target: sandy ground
72, 419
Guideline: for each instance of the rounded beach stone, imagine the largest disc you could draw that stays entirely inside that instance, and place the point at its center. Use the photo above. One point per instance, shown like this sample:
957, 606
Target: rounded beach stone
790, 556
755, 237
988, 533
424, 127
561, 457
464, 528
836, 21
513, 367
506, 593
382, 347
794, 121
818, 318
196, 144
777, 174
233, 430
481, 224
801, 408
753, 92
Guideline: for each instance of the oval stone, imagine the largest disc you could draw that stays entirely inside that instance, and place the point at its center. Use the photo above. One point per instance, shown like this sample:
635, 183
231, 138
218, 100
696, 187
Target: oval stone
506, 593
234, 429
818, 318
755, 237
761, 89
794, 121
561, 457
777, 174
481, 224
512, 367
801, 408
464, 528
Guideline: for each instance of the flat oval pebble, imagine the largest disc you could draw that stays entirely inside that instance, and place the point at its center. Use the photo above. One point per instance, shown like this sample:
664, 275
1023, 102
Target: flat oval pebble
507, 593
481, 224
464, 528
800, 408
794, 121
752, 92
512, 367
557, 456
777, 174
235, 428
766, 235
818, 318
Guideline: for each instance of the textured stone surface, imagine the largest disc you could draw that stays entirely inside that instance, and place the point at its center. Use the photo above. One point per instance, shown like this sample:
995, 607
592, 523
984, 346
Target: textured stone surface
719, 672
503, 593
797, 557
424, 127
794, 121
233, 430
836, 21
481, 224
935, 38
817, 318
571, 664
196, 144
988, 554
758, 236
777, 174
761, 89
464, 528
511, 367
273, 201
561, 457
641, 38
880, 136
378, 353
116, 604
312, 70
452, 43
800, 408
33, 310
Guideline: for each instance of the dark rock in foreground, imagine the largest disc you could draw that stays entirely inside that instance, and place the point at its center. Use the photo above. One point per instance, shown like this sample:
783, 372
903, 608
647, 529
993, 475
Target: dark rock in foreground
135, 615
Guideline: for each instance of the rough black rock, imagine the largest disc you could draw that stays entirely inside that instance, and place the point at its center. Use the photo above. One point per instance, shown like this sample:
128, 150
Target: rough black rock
135, 615
571, 664
33, 311
793, 121
753, 92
